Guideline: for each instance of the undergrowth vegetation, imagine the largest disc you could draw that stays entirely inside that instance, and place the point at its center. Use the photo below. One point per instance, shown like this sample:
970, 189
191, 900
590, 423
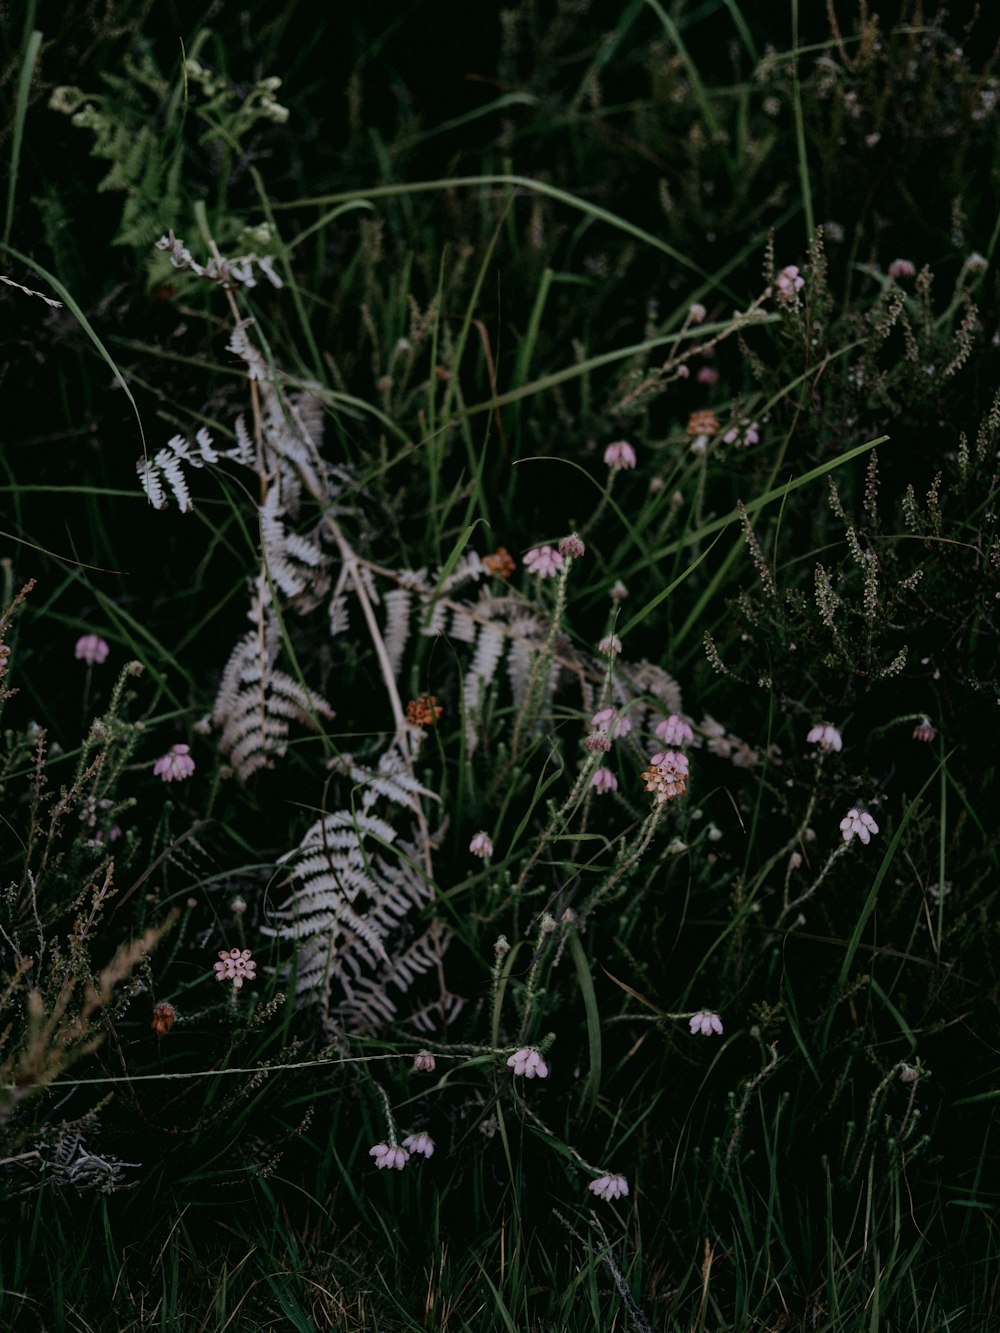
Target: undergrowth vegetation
501, 581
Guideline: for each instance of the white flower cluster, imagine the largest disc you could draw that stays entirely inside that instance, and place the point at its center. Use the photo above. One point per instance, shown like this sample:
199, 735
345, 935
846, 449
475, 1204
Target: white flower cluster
858, 822
481, 845
389, 1155
542, 561
528, 1062
609, 1187
394, 1157
826, 737
706, 1021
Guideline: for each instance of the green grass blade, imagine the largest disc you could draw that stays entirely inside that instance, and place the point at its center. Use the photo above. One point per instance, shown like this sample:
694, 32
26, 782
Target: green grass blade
17, 133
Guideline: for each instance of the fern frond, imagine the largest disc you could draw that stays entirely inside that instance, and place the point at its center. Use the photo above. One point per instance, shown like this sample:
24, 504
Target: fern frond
290, 444
355, 886
469, 569
340, 620
398, 604
393, 780
463, 626
528, 635
292, 560
256, 701
367, 1004
149, 480
166, 466
434, 625
241, 346
244, 450
490, 646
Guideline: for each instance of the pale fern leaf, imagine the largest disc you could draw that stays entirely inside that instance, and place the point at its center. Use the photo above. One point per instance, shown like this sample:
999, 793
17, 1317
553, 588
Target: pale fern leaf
354, 887
149, 480
339, 617
170, 466
521, 656
398, 603
291, 559
256, 702
368, 1004
469, 568
193, 458
243, 451
463, 626
435, 623
206, 446
392, 780
490, 647
240, 344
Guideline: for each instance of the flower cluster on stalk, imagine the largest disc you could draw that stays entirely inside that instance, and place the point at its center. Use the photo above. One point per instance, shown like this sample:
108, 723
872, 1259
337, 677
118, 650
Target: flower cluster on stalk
609, 1187
175, 765
858, 823
235, 965
666, 776
528, 1061
90, 648
707, 1022
542, 561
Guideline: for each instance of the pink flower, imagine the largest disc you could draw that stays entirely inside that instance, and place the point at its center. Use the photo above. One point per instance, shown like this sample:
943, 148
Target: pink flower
859, 822
610, 644
114, 833
696, 314
706, 1021
424, 1063
745, 433
421, 1143
707, 375
609, 1187
598, 742
388, 1155
603, 781
528, 1062
175, 765
571, 547
90, 649
666, 775
542, 561
602, 719
826, 737
674, 731
619, 455
235, 965
901, 268
923, 731
788, 282
481, 845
